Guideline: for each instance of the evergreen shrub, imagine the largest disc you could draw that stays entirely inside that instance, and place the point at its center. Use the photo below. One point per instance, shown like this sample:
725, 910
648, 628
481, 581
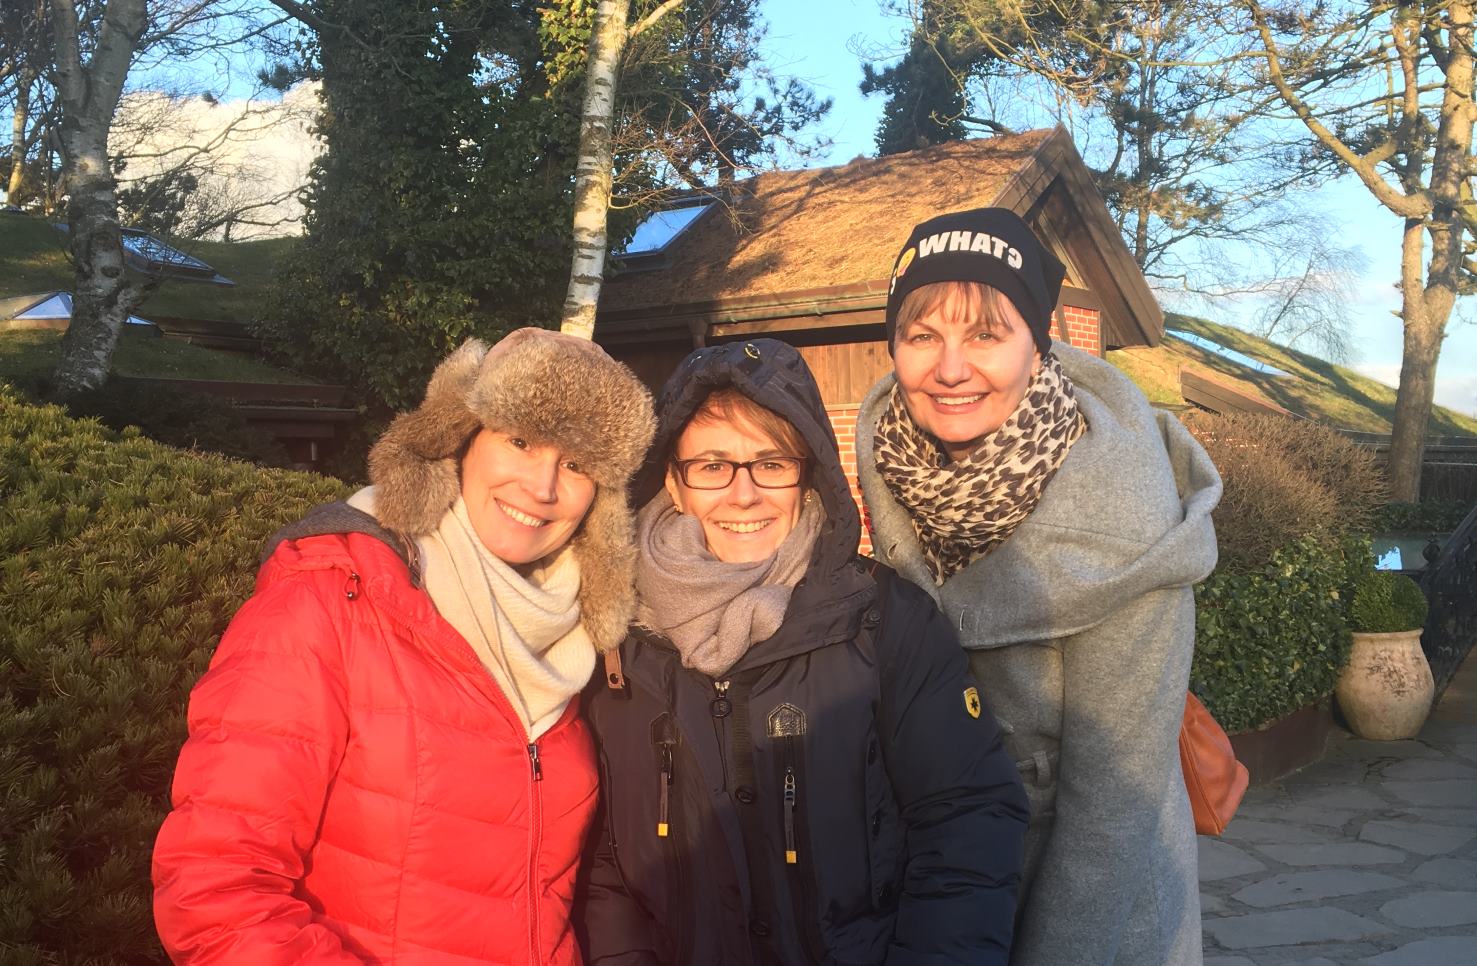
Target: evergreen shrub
1271, 640
121, 561
1385, 602
1430, 516
1272, 621
179, 417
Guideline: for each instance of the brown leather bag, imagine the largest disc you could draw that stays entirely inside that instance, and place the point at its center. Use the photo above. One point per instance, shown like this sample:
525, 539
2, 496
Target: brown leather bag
1214, 778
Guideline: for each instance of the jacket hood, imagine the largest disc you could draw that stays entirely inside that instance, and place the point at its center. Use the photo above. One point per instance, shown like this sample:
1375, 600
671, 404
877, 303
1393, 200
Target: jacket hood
773, 374
1127, 513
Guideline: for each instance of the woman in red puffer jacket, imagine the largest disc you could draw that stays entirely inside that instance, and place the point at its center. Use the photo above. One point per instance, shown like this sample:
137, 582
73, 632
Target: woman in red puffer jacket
385, 760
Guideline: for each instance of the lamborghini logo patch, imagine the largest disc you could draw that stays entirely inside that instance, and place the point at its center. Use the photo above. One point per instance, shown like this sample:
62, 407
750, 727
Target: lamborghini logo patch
972, 701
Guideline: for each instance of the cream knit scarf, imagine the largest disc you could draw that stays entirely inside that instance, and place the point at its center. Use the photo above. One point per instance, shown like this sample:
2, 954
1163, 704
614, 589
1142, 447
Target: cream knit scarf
710, 610
526, 630
963, 510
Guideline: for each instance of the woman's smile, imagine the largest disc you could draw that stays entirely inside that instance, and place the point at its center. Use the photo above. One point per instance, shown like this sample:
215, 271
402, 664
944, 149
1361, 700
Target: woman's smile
518, 516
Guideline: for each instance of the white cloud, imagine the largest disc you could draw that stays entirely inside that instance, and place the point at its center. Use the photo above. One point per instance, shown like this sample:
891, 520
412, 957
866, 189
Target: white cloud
251, 154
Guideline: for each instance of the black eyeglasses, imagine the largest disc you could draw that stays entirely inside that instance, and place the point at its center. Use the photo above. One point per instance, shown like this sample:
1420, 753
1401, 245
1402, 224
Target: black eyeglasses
768, 472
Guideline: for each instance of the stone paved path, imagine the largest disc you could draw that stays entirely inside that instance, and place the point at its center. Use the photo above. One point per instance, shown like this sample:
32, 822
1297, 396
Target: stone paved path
1368, 857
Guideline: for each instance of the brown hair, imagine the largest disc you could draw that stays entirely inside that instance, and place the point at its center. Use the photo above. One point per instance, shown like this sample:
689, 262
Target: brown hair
728, 404
961, 302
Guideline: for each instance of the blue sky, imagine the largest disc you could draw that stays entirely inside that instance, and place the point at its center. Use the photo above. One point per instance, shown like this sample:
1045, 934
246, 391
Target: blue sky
816, 40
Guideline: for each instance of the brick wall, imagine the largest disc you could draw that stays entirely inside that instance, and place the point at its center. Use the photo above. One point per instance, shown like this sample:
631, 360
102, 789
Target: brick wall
843, 421
1084, 329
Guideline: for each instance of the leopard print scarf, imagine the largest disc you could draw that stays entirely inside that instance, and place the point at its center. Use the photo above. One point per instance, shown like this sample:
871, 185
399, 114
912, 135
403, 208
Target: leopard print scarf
964, 510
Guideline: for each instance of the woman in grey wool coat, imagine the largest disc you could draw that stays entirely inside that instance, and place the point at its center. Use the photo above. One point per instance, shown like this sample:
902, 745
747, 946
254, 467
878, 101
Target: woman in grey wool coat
1060, 523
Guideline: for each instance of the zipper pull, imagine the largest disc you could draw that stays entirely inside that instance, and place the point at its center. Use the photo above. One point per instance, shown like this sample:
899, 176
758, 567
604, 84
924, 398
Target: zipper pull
790, 854
721, 706
664, 794
538, 768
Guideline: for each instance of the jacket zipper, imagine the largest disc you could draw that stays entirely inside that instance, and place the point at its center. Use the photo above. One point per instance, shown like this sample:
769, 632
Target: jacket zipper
802, 877
664, 737
535, 836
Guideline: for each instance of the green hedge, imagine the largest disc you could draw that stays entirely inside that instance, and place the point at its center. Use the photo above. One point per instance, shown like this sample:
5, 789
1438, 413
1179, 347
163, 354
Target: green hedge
121, 561
1271, 640
179, 417
1432, 516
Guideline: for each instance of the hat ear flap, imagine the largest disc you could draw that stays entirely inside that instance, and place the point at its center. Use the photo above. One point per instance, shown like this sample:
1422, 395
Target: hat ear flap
603, 547
414, 465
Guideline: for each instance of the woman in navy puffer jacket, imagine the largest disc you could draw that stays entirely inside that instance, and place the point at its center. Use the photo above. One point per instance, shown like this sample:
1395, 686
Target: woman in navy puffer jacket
798, 767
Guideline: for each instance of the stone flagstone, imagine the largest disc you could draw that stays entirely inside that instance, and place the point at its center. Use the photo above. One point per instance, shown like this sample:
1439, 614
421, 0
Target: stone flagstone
1290, 887
1452, 873
1282, 833
1459, 794
1421, 837
1447, 951
1221, 860
1297, 815
1367, 858
1289, 927
1346, 799
1429, 910
1428, 770
1464, 817
1339, 853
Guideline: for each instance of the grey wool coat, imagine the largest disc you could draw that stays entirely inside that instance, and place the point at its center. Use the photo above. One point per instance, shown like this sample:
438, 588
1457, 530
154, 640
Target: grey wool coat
1080, 629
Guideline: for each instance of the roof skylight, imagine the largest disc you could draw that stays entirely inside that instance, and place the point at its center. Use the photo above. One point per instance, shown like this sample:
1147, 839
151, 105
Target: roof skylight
660, 228
161, 258
145, 253
1230, 355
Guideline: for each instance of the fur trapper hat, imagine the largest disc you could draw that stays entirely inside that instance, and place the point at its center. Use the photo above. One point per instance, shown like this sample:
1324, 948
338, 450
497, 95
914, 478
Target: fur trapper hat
550, 389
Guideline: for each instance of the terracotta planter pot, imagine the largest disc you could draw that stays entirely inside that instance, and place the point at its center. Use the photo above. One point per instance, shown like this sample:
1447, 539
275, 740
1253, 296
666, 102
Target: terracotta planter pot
1385, 690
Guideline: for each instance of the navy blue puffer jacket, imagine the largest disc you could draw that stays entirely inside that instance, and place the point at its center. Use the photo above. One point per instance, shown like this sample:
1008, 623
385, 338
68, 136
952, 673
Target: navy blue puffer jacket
840, 796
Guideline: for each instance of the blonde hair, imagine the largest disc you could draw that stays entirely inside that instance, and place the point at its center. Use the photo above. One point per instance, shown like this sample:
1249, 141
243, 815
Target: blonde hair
959, 302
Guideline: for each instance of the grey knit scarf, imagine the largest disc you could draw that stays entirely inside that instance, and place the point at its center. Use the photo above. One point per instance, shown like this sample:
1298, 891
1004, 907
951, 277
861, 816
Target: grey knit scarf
963, 510
712, 611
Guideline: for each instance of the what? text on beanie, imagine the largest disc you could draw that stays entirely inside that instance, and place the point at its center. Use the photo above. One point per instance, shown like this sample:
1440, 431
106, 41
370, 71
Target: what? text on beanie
992, 246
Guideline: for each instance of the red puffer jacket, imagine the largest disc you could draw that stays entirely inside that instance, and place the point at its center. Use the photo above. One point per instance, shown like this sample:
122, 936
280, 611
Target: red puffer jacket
356, 788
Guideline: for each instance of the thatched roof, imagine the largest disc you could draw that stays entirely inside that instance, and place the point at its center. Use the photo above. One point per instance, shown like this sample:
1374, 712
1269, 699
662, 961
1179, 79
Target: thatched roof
818, 244
790, 230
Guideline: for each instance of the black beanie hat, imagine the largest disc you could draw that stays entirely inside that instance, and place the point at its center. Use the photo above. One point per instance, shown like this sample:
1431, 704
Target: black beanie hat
989, 245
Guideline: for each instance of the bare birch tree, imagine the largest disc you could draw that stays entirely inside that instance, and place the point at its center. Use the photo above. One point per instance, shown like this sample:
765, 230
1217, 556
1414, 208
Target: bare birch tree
88, 92
608, 39
94, 44
1384, 91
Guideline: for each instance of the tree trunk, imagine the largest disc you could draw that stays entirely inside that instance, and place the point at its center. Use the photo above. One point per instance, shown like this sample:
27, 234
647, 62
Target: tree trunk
593, 169
102, 297
16, 189
1413, 402
1428, 296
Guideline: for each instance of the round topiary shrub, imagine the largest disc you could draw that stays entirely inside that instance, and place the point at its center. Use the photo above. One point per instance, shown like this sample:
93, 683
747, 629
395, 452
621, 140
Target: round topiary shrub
121, 561
1386, 602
